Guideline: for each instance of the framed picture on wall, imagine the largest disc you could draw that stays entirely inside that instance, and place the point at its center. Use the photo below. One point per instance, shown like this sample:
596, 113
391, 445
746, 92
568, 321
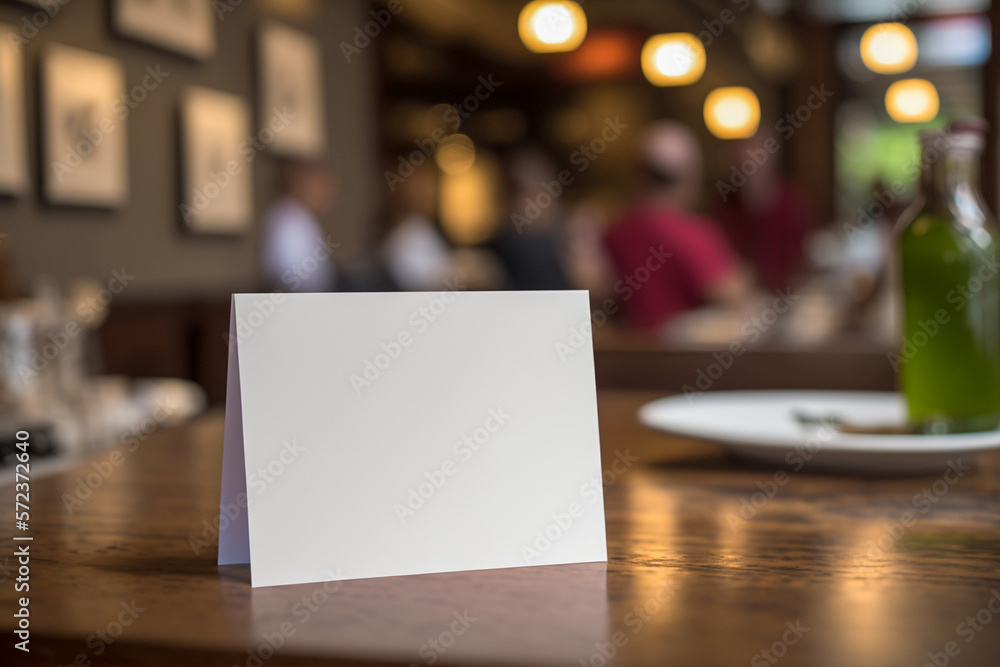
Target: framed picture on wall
217, 179
291, 96
85, 134
183, 26
13, 144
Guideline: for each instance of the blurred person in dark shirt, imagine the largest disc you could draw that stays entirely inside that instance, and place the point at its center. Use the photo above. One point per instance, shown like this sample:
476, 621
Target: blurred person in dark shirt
670, 260
764, 216
529, 244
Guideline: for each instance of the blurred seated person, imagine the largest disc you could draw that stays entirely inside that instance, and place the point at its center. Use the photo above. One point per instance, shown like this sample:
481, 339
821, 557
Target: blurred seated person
670, 260
766, 219
529, 244
296, 252
415, 254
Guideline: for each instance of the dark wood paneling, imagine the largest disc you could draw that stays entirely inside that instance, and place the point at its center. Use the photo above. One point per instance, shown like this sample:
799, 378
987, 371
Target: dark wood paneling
671, 370
183, 339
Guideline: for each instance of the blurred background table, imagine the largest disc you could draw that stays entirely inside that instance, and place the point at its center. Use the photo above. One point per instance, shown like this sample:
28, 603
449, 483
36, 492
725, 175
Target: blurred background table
685, 584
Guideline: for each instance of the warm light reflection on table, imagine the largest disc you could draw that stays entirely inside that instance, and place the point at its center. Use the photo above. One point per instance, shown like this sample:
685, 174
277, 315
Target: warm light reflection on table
683, 586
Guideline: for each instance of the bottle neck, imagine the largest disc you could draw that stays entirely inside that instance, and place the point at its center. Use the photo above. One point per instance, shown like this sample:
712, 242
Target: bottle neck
950, 185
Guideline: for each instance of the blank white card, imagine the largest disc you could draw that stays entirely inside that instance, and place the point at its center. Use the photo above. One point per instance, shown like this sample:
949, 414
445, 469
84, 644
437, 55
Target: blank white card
373, 435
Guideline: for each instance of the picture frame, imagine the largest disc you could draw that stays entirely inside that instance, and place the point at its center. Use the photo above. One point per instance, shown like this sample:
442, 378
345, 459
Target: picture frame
217, 178
84, 159
14, 178
186, 27
290, 67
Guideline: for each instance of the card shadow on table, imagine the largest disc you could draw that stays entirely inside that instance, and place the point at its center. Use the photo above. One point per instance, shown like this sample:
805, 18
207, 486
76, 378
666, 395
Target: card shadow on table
513, 615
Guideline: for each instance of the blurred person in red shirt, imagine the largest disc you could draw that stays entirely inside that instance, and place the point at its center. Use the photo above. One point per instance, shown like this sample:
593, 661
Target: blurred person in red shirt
669, 259
764, 216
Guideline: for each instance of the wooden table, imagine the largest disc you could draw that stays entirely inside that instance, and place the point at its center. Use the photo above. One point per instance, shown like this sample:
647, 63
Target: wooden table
821, 574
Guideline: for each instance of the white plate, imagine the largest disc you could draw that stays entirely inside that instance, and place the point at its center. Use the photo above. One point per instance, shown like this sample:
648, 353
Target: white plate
762, 425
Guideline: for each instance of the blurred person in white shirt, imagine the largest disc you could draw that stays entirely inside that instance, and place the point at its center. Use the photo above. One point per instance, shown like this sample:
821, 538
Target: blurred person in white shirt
414, 252
295, 251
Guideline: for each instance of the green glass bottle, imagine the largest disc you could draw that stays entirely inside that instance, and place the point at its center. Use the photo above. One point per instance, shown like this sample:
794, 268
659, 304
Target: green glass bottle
947, 243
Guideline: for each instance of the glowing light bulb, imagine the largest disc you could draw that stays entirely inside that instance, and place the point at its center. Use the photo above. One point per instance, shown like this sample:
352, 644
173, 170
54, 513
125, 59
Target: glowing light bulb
673, 59
889, 48
549, 26
912, 101
732, 113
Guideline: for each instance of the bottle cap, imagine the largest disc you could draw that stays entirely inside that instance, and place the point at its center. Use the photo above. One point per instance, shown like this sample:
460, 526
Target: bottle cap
969, 125
963, 134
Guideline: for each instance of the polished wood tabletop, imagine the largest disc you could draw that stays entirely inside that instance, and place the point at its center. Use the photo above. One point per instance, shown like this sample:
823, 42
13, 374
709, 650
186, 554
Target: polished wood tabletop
710, 563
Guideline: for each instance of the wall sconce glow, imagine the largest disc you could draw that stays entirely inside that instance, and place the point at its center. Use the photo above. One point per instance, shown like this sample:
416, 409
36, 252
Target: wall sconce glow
550, 26
673, 59
468, 201
455, 154
889, 48
732, 113
912, 101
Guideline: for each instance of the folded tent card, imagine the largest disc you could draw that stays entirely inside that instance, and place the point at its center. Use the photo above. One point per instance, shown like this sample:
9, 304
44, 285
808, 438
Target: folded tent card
372, 435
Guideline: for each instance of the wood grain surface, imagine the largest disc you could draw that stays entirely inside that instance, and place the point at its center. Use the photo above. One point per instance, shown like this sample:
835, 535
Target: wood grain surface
818, 570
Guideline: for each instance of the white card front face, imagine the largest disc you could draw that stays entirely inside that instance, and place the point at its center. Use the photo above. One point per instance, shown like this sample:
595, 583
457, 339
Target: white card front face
409, 433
